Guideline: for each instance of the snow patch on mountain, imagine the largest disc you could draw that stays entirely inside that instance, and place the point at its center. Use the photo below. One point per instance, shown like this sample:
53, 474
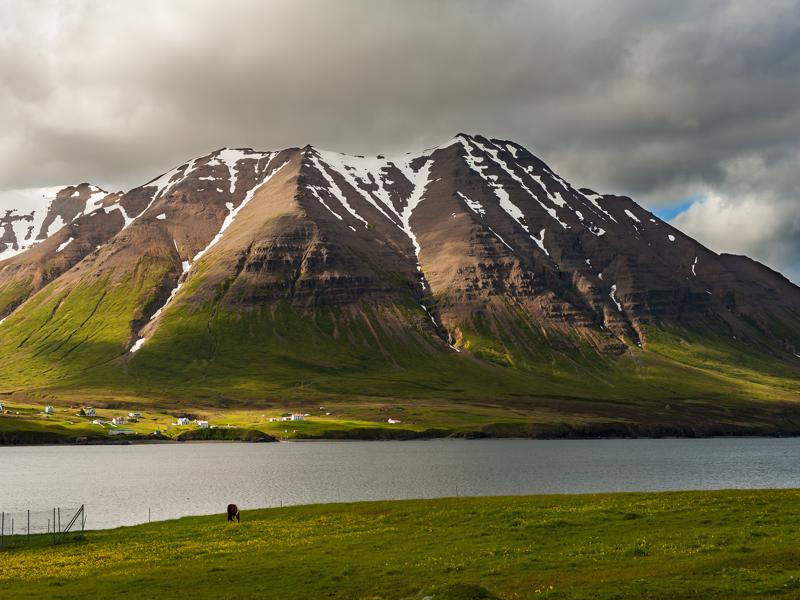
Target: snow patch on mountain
25, 223
632, 216
495, 155
613, 296
314, 190
473, 205
334, 188
63, 245
540, 242
418, 180
359, 172
230, 158
505, 200
595, 200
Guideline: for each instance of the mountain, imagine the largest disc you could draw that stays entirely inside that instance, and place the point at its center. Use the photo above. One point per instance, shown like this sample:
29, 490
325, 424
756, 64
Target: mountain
466, 274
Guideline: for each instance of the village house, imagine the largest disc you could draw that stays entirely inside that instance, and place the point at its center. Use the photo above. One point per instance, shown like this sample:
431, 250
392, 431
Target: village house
2, 408
202, 424
118, 421
134, 415
183, 420
297, 417
89, 412
49, 410
393, 421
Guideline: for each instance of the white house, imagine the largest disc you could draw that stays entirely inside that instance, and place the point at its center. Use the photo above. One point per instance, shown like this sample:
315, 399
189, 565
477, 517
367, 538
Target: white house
118, 421
297, 417
49, 410
89, 412
134, 415
393, 421
183, 420
2, 408
202, 424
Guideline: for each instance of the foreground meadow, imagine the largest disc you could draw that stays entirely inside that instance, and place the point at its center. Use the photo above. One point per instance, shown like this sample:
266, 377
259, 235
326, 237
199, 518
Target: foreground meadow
728, 544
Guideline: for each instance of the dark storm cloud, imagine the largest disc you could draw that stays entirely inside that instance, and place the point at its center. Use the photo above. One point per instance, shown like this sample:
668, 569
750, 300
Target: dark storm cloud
659, 100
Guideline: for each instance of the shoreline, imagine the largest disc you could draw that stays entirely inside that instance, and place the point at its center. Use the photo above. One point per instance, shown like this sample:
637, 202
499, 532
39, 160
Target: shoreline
458, 436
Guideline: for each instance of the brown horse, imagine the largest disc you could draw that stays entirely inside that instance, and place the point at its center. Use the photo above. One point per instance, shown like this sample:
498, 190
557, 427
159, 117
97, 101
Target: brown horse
233, 513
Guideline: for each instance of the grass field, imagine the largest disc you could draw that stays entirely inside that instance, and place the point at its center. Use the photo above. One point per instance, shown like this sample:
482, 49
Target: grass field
727, 545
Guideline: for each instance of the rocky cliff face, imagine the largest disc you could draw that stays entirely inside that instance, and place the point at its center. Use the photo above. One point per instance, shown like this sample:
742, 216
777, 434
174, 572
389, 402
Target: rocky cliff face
474, 248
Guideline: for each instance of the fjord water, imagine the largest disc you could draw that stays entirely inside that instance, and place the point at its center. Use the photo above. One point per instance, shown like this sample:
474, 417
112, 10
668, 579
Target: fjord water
119, 484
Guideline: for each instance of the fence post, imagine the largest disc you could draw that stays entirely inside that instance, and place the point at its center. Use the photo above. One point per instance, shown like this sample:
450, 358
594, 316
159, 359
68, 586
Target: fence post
29, 526
2, 528
54, 525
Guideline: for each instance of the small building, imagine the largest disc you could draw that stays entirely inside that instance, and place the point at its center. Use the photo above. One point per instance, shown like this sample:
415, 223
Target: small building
183, 420
202, 424
89, 412
118, 421
49, 410
134, 415
297, 417
393, 421
2, 408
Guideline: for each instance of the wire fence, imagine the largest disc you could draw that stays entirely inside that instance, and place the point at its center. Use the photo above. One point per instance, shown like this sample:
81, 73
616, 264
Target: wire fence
55, 525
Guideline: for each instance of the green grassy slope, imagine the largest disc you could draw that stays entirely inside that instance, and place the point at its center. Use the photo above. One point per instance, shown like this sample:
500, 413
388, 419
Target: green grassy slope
727, 545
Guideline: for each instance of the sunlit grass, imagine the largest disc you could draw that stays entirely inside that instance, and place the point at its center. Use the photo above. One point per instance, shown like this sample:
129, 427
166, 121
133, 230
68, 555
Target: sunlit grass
732, 544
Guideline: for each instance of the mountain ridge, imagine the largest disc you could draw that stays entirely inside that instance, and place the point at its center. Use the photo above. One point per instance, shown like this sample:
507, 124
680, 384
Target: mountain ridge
472, 259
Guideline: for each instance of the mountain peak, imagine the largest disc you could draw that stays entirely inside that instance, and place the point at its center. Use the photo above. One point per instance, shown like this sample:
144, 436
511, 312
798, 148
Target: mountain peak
478, 236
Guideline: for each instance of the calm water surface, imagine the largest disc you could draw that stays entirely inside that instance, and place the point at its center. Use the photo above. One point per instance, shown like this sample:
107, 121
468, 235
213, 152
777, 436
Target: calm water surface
119, 484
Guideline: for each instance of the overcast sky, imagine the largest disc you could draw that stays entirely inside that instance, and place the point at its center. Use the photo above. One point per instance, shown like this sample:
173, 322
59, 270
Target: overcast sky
689, 107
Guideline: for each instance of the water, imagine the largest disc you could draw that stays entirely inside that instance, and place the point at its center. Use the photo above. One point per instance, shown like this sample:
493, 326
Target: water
119, 484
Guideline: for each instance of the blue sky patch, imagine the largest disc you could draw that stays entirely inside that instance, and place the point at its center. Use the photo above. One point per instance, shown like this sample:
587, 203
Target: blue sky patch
670, 211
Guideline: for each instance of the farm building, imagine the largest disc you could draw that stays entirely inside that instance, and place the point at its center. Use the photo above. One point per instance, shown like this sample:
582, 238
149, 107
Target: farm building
183, 421
202, 424
89, 412
118, 421
49, 410
297, 417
